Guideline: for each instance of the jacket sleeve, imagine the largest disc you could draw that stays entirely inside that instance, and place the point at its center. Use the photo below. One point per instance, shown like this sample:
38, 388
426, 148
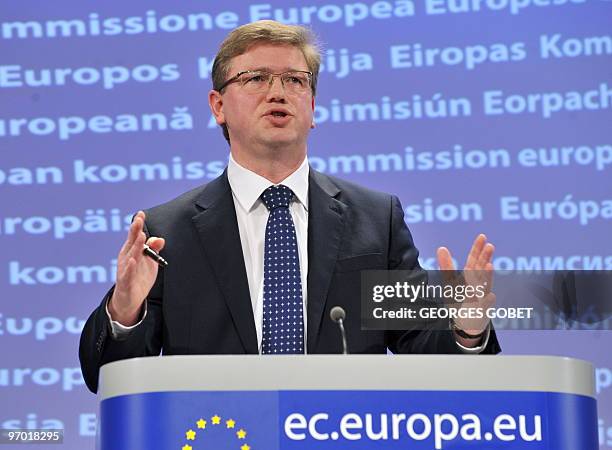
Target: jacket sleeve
98, 347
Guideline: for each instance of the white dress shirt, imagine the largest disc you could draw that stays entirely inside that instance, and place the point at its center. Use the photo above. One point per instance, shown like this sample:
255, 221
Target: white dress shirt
252, 215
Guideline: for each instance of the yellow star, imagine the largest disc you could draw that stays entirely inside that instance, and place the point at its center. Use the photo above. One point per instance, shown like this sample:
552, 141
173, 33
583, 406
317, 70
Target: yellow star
190, 435
216, 420
230, 423
201, 423
245, 447
187, 447
241, 434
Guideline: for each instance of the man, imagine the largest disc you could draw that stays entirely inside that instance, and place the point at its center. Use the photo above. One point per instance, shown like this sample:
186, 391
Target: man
259, 256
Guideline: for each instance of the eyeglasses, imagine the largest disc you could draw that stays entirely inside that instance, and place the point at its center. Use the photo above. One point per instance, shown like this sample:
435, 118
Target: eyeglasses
256, 81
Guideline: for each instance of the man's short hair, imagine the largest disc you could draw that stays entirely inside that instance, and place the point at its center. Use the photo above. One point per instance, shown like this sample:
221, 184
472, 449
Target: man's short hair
246, 36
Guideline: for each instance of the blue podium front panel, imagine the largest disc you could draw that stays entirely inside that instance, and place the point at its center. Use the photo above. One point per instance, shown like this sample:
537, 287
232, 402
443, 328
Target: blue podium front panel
349, 420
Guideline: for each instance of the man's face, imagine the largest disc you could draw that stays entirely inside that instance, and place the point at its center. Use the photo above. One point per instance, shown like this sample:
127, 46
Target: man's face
271, 119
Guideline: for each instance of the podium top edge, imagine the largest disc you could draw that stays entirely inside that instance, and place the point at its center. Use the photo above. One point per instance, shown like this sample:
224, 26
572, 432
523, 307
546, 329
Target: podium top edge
349, 372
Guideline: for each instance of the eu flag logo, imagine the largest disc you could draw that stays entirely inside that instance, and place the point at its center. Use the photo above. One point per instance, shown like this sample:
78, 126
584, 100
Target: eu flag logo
203, 427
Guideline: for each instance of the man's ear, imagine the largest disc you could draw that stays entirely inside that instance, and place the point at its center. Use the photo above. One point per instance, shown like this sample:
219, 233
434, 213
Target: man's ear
215, 101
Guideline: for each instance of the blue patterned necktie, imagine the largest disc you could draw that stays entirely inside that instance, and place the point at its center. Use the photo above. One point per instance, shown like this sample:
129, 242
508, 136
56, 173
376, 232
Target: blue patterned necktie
283, 322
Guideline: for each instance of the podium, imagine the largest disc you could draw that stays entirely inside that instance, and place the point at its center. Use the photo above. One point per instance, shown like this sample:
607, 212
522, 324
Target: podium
324, 402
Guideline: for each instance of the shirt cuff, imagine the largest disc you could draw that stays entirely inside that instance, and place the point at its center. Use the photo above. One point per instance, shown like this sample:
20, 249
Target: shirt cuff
479, 348
120, 331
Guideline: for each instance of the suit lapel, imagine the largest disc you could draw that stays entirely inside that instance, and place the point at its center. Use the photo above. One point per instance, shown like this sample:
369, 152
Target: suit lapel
218, 230
325, 227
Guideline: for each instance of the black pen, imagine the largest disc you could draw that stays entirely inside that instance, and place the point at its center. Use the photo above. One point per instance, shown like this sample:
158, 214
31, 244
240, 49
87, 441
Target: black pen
148, 251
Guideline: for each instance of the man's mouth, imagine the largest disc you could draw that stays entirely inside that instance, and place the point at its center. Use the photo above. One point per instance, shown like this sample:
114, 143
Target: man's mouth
278, 118
278, 114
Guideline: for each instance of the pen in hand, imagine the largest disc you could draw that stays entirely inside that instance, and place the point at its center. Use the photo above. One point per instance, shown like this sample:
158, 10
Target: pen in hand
148, 251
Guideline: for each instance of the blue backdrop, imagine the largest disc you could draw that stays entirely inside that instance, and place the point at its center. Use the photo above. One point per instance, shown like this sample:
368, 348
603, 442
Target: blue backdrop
483, 116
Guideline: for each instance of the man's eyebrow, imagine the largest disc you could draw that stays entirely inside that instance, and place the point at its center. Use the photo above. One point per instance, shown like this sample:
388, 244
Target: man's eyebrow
268, 69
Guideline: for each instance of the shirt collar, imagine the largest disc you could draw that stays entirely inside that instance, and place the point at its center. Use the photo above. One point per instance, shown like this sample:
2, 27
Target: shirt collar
248, 186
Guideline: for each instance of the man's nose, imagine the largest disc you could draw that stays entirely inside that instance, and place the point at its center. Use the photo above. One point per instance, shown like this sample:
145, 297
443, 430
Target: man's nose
276, 90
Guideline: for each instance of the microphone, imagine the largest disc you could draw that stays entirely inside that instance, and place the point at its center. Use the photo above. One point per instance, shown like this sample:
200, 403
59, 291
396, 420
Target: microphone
337, 314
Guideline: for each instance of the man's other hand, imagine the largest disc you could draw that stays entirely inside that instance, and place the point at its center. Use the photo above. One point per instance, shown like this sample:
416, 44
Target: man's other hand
478, 271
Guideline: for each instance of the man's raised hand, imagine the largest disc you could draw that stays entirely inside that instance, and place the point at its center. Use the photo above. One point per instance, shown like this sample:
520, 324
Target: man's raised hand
478, 271
136, 273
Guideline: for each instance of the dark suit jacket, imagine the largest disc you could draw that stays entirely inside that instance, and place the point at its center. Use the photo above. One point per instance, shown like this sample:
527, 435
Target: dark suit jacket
200, 303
